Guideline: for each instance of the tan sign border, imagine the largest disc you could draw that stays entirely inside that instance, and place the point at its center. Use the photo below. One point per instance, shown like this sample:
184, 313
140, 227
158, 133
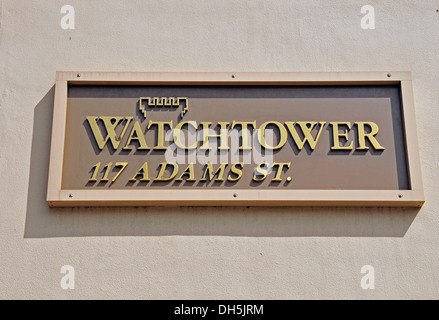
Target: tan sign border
57, 197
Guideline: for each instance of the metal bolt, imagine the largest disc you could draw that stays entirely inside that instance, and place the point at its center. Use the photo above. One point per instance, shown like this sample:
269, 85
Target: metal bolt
399, 195
389, 75
235, 195
71, 195
78, 75
233, 76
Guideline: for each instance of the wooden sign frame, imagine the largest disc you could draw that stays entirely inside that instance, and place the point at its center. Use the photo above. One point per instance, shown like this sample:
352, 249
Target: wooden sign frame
56, 196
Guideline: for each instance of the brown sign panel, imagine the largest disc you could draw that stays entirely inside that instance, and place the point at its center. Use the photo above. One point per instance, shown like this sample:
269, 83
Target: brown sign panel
250, 139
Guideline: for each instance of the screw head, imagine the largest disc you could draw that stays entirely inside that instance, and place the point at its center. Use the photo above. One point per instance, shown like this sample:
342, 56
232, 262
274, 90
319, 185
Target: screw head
233, 76
389, 75
289, 179
78, 75
235, 195
400, 196
70, 195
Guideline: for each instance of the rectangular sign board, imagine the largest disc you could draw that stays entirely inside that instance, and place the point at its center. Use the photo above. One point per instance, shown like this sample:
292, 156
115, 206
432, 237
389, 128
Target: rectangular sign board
209, 139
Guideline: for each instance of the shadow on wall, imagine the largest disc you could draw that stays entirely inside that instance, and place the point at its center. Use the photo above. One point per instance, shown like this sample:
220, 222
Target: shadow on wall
45, 222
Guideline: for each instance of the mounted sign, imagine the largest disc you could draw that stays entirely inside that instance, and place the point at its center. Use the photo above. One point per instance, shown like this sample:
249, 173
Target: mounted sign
345, 139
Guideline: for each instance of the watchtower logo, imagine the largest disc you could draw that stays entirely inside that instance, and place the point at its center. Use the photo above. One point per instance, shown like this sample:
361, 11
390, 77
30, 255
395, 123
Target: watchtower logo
163, 102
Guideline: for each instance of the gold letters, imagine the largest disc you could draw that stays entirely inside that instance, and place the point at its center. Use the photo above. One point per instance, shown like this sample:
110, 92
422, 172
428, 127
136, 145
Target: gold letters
110, 124
282, 132
160, 133
136, 134
279, 170
219, 172
108, 167
236, 171
222, 136
112, 130
261, 171
177, 132
244, 133
306, 128
336, 135
361, 136
142, 171
371, 136
190, 172
163, 167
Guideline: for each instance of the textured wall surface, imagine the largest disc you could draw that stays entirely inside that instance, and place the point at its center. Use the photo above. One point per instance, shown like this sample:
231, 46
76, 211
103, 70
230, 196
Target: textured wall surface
209, 253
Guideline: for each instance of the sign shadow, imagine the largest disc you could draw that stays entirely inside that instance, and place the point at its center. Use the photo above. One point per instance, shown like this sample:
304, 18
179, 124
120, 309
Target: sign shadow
45, 222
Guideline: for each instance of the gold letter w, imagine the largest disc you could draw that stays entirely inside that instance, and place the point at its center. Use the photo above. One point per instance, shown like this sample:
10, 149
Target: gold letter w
110, 124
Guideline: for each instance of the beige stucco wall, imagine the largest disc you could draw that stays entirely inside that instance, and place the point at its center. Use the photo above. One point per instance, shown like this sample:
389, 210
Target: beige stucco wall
209, 253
